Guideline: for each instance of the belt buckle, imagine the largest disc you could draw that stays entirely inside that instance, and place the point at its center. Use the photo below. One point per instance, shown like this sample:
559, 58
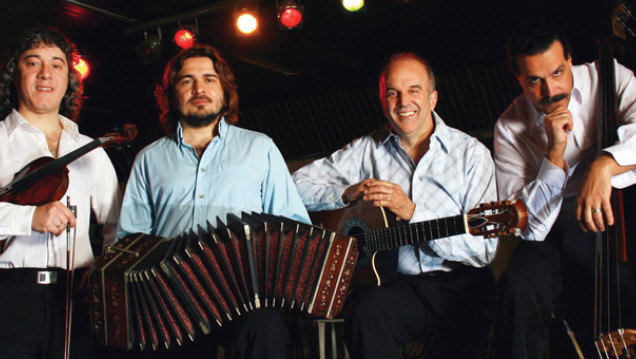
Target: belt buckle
46, 277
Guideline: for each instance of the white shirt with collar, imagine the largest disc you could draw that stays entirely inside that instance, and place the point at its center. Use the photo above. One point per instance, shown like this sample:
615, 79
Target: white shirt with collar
92, 186
521, 143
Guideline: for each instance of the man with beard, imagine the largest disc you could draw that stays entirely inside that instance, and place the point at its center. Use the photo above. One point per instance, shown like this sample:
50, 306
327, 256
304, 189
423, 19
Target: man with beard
546, 154
207, 168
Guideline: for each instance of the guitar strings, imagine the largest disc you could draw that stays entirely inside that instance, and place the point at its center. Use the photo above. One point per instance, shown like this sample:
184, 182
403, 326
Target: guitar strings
403, 235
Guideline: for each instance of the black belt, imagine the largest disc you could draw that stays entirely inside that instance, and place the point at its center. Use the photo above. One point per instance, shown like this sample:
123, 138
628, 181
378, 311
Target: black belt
43, 276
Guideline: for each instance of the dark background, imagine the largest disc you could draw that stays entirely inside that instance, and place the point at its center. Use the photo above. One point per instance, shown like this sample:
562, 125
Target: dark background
314, 89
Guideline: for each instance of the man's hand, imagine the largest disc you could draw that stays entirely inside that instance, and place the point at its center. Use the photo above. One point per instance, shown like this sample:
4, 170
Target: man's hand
593, 201
52, 217
557, 125
382, 194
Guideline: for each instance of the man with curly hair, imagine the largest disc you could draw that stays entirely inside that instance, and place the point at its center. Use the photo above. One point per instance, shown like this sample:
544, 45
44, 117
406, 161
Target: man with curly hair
204, 169
40, 94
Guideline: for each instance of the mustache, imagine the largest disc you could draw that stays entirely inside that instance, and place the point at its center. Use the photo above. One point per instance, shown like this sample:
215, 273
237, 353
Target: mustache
200, 97
549, 100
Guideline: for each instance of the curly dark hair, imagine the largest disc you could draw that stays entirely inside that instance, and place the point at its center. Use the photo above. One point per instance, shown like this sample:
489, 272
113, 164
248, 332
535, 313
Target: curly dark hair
72, 100
534, 37
170, 113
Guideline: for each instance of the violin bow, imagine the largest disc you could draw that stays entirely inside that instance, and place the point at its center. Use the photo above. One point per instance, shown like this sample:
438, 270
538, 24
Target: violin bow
70, 271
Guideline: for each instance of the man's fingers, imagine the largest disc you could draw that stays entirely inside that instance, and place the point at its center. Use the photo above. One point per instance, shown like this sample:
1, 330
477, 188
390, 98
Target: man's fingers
609, 214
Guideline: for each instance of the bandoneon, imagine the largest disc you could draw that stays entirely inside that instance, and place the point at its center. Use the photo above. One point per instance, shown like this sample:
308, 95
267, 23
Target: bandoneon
147, 291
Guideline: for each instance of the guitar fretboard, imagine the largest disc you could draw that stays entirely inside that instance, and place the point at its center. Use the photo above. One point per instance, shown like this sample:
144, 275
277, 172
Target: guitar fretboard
392, 237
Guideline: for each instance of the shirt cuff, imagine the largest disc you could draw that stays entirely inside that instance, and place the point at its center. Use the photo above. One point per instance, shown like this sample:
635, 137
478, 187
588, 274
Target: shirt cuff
624, 156
622, 153
552, 175
19, 221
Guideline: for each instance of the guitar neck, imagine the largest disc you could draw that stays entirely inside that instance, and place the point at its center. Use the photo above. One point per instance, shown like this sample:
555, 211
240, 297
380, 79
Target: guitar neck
393, 237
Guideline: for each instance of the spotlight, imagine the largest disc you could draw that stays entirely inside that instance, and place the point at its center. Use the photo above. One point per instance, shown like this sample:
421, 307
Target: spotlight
150, 48
184, 38
82, 68
290, 14
352, 5
246, 20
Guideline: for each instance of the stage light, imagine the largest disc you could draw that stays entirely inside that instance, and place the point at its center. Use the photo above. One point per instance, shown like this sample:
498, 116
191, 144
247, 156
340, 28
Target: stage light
184, 38
150, 48
352, 5
246, 21
82, 68
290, 14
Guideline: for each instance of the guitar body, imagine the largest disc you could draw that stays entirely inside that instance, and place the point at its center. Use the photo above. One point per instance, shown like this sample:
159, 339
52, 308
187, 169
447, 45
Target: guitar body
372, 268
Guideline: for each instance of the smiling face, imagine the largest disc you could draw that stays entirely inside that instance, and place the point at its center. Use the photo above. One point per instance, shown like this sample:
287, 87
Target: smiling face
408, 98
42, 81
198, 92
546, 78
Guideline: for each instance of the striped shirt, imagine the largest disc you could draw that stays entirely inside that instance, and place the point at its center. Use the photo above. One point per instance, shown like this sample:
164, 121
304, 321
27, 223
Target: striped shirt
454, 176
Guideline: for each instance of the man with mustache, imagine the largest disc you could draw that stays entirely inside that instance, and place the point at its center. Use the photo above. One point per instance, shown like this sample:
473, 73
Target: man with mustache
546, 154
204, 168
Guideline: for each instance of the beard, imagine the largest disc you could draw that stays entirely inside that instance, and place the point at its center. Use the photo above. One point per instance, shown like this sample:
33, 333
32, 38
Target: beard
203, 120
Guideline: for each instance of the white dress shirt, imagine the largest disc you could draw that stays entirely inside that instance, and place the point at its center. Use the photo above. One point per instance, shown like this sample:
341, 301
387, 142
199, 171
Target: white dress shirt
92, 185
521, 144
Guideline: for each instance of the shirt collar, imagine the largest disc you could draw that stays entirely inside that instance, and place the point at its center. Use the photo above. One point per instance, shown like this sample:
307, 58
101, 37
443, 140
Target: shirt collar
440, 134
15, 120
223, 129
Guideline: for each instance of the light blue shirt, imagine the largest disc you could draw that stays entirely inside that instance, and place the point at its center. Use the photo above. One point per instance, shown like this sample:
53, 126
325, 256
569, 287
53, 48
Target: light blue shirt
453, 177
171, 190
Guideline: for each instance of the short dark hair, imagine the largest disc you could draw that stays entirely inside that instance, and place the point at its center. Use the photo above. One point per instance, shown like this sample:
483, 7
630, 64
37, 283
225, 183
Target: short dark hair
534, 37
170, 113
72, 100
405, 55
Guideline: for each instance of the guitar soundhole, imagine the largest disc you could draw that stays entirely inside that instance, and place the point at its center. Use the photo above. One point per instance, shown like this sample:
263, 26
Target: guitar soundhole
355, 227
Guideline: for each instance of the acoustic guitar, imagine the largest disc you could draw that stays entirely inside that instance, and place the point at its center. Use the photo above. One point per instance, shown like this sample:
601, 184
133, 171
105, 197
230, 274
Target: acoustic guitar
379, 233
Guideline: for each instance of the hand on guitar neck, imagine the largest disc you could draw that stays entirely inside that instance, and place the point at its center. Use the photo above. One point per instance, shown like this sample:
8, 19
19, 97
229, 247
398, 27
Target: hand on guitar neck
381, 194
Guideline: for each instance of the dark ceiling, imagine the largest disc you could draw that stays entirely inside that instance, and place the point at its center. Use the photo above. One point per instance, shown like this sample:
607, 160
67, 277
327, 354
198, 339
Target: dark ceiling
312, 89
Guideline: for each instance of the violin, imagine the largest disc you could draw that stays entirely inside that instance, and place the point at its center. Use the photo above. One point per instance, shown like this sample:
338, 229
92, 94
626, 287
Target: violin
45, 179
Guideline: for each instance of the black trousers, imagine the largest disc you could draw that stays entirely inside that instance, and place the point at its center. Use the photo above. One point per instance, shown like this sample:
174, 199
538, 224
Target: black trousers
452, 312
32, 317
554, 277
258, 334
